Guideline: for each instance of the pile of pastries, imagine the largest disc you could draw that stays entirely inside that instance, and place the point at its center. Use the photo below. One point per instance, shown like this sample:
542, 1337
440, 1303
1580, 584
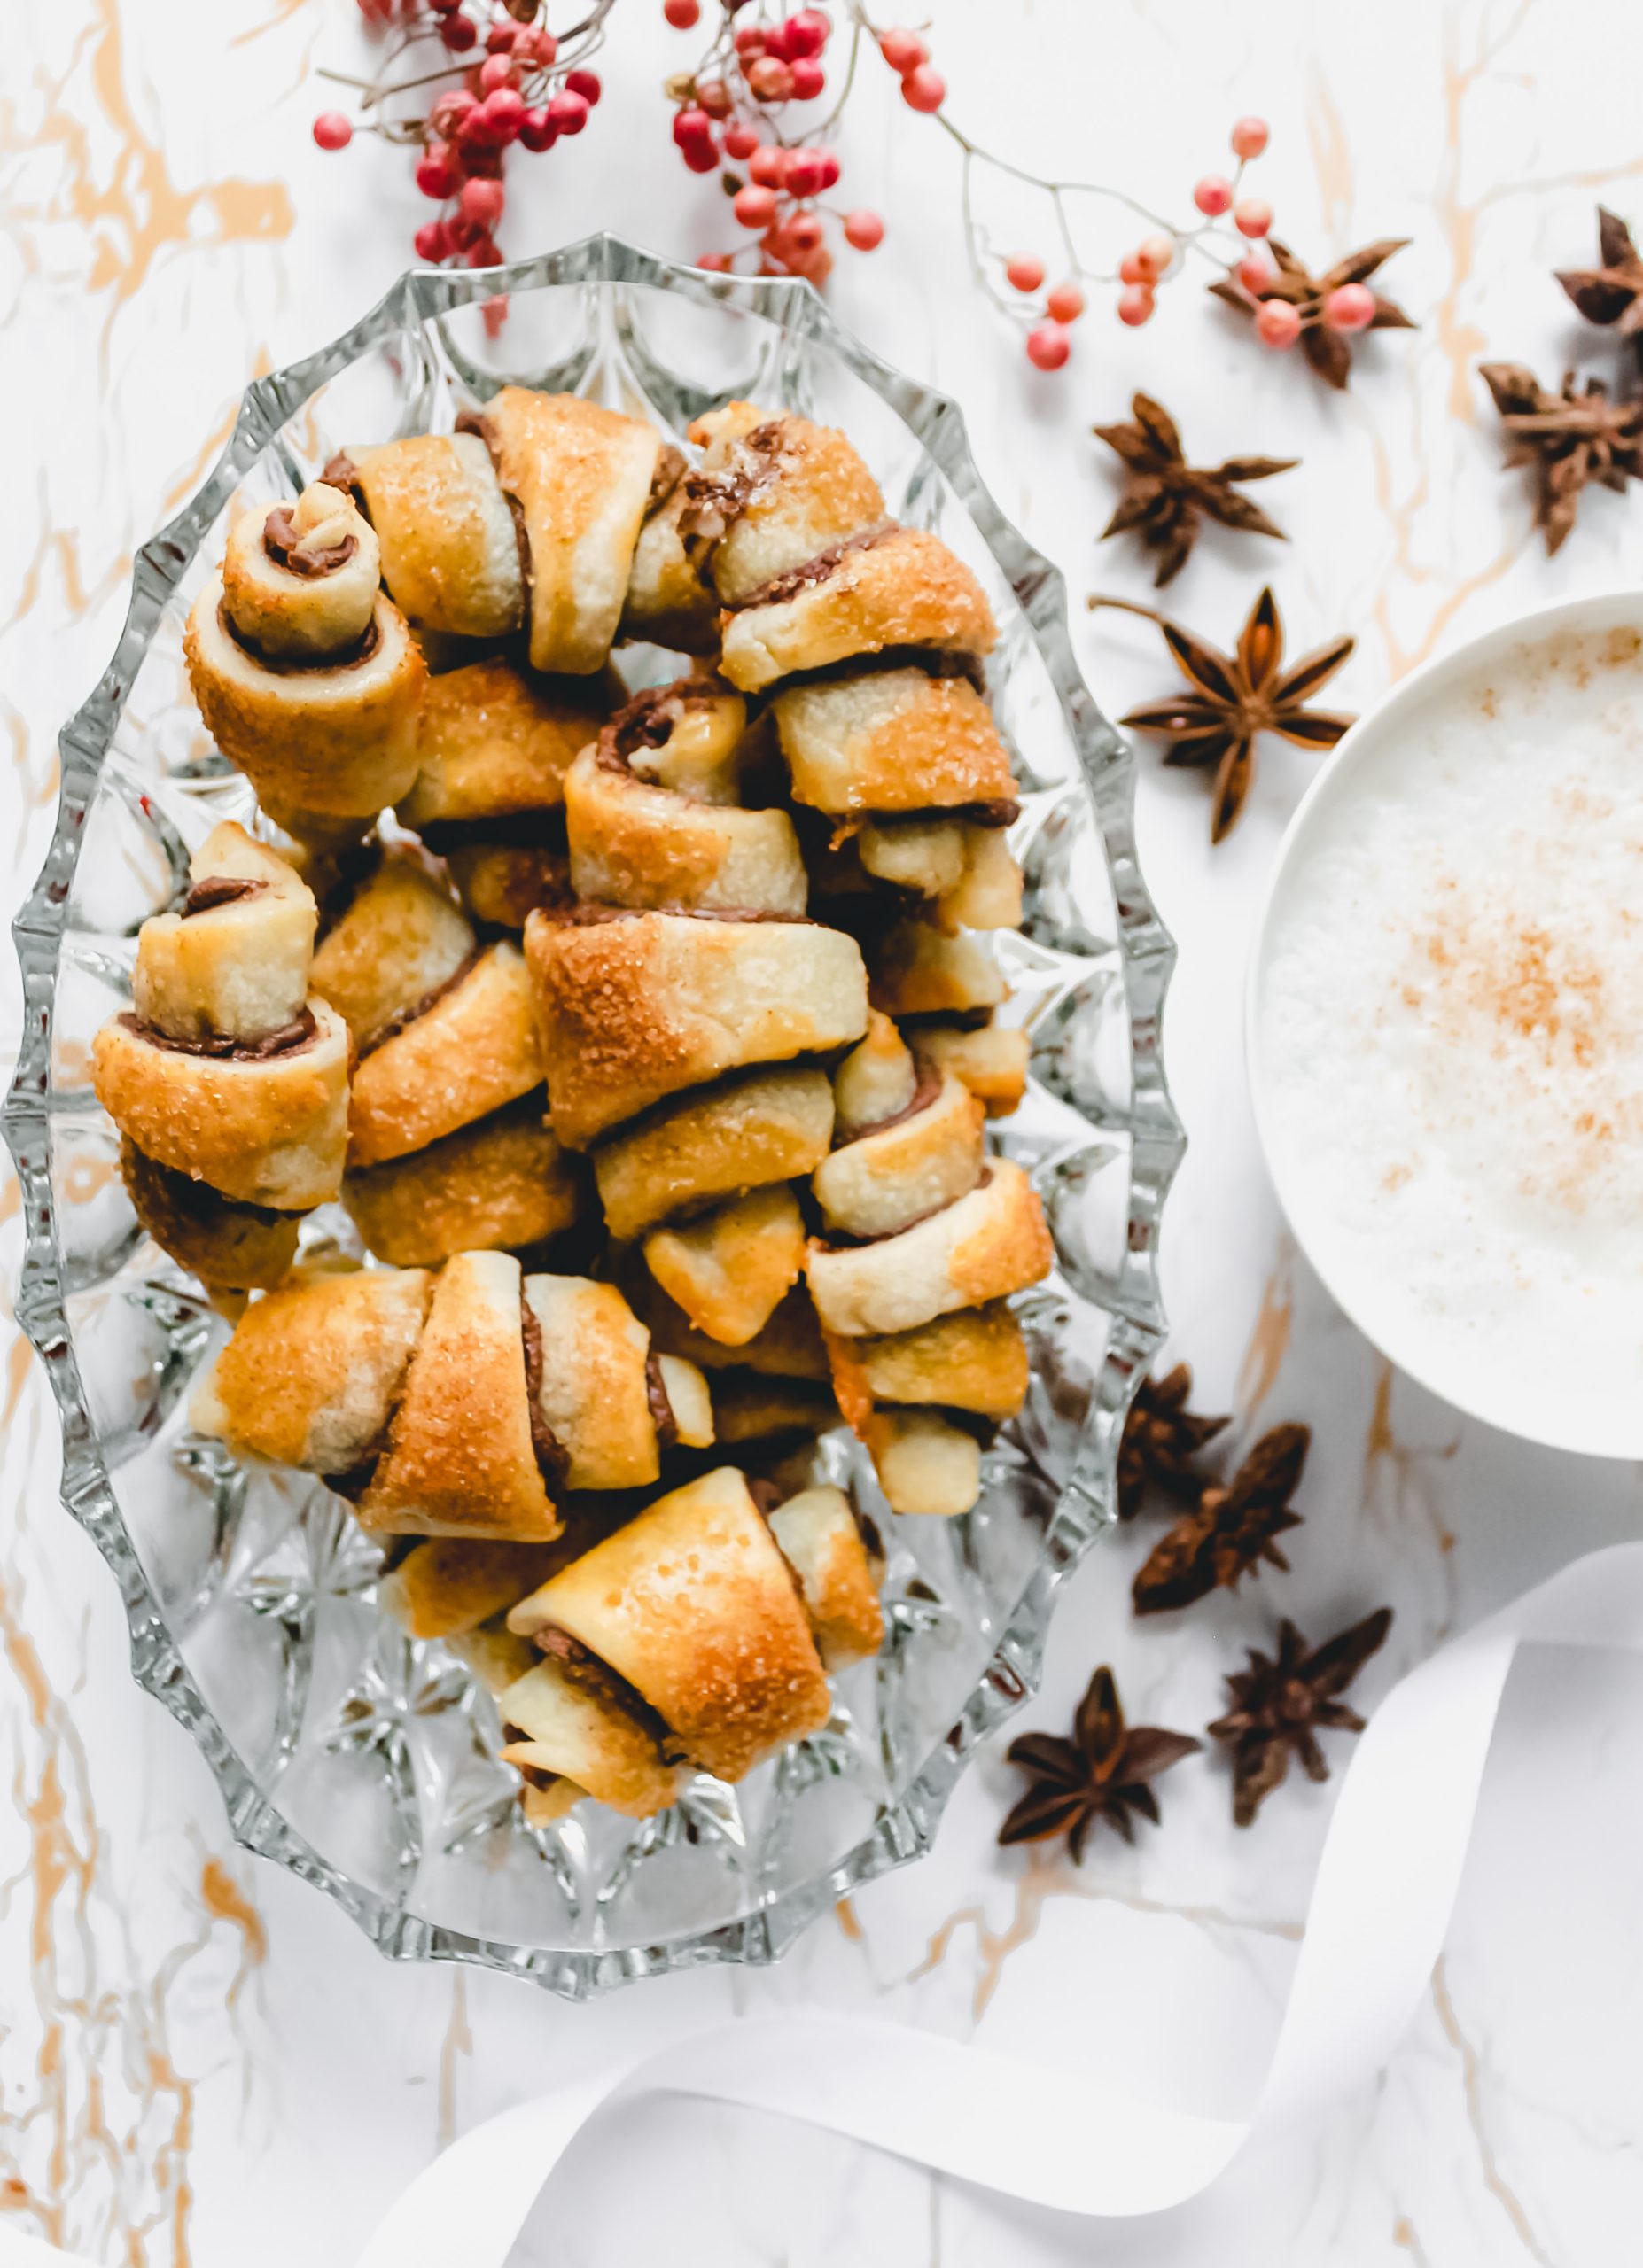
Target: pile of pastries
647, 1040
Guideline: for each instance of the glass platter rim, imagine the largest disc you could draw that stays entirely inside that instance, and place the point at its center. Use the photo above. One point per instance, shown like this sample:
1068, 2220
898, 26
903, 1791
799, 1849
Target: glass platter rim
906, 1828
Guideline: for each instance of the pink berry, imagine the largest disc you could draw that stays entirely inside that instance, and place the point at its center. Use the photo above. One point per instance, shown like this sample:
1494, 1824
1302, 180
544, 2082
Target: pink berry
1252, 216
1157, 255
768, 165
692, 124
430, 241
1048, 346
538, 46
568, 111
495, 71
804, 235
1255, 273
1212, 195
1351, 307
904, 51
1277, 324
1134, 268
714, 97
864, 229
332, 130
1026, 270
777, 43
1135, 303
501, 39
808, 78
754, 207
1064, 303
740, 142
807, 32
770, 79
801, 177
459, 33
684, 15
504, 110
830, 169
436, 176
923, 90
1250, 137
749, 41
537, 130
450, 110
482, 201
587, 84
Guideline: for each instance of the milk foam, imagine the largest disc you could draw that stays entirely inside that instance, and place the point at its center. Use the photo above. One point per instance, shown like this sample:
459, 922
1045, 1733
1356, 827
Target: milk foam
1450, 1033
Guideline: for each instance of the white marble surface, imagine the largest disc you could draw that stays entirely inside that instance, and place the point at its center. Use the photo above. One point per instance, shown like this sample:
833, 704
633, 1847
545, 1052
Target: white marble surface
199, 2059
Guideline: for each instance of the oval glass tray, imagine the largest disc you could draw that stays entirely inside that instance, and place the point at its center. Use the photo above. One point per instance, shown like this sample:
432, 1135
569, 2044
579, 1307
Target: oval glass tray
358, 1759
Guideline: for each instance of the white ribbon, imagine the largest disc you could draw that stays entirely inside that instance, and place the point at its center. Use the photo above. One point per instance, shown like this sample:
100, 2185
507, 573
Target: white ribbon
1386, 1884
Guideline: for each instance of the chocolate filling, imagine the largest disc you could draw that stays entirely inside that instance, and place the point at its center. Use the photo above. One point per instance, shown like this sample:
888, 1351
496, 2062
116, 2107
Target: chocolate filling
552, 1460
342, 472
714, 501
670, 470
661, 1408
289, 1039
537, 830
585, 1668
351, 658
403, 1017
648, 719
780, 588
471, 422
217, 890
999, 812
296, 553
935, 661
927, 1086
353, 1483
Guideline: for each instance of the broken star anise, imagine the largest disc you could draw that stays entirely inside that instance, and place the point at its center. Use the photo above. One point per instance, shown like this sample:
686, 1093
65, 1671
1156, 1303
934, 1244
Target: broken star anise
1232, 1532
1613, 293
1161, 1438
1164, 498
1281, 1702
1327, 350
1569, 437
1105, 1771
1234, 696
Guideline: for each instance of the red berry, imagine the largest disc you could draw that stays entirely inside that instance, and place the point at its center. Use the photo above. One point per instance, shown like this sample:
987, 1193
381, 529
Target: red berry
482, 254
684, 15
503, 112
1064, 303
776, 43
749, 41
864, 229
701, 157
1255, 273
769, 166
804, 234
503, 39
1025, 271
538, 46
482, 201
1135, 303
1212, 195
450, 110
435, 175
1252, 216
1048, 346
692, 124
923, 90
459, 33
430, 241
808, 78
754, 207
741, 141
904, 51
807, 32
1350, 306
1157, 255
801, 177
770, 79
459, 233
568, 111
830, 169
1250, 137
495, 71
1277, 324
444, 7
585, 83
537, 130
714, 97
716, 263
332, 130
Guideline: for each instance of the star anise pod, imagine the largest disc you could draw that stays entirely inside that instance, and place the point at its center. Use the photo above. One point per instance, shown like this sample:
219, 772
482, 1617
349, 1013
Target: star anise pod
1105, 1771
1281, 1703
1164, 497
1329, 351
1234, 697
1569, 437
1612, 293
1161, 1438
1233, 1530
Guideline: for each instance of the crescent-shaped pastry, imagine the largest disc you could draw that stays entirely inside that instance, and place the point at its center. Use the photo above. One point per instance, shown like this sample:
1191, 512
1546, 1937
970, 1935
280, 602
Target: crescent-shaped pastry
462, 1456
335, 736
451, 555
968, 870
770, 495
895, 588
593, 1382
923, 1157
230, 1248
300, 580
789, 1347
668, 603
572, 1733
394, 942
974, 1359
503, 1183
464, 1054
264, 1122
494, 743
451, 1584
992, 1242
694, 1605
233, 963
581, 476
991, 1058
919, 970
892, 742
756, 1128
817, 1534
760, 1413
729, 1268
638, 1008
313, 1371
491, 1652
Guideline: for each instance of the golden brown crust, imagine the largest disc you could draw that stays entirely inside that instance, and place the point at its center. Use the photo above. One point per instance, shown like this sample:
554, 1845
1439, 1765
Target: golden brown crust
892, 741
230, 1248
492, 740
460, 1459
817, 1534
919, 970
926, 1465
237, 968
451, 1584
694, 1605
789, 1347
781, 491
449, 552
593, 1394
887, 1178
592, 1745
989, 1243
757, 1128
666, 602
474, 1050
908, 590
635, 844
974, 1359
397, 937
729, 1268
992, 1059
501, 1183
635, 1010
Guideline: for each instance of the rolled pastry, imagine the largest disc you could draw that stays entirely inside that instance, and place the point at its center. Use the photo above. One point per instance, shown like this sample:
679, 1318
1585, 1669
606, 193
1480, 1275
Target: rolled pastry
648, 825
967, 870
494, 743
694, 1605
915, 1161
581, 476
451, 555
992, 1242
462, 1456
894, 741
770, 494
817, 1534
919, 970
668, 603
572, 1731
503, 1183
728, 1269
230, 1248
883, 592
395, 941
636, 1008
503, 883
450, 1584
234, 961
263, 1121
595, 1387
789, 1347
300, 580
492, 1653
974, 1359
756, 1412
312, 1372
747, 1131
991, 1058
467, 1051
